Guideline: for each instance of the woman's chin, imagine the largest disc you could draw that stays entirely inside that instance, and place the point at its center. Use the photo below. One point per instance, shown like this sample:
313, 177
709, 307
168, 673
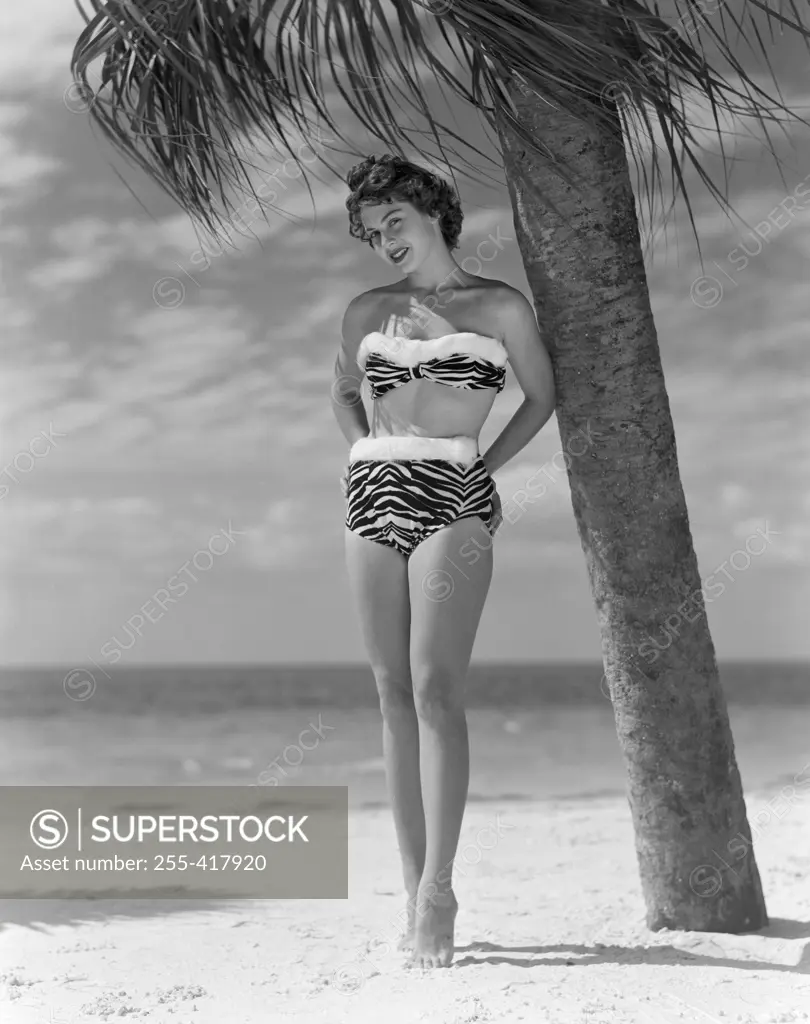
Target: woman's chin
407, 264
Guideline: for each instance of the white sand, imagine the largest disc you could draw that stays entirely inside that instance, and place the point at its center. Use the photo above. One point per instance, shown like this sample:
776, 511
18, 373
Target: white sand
551, 928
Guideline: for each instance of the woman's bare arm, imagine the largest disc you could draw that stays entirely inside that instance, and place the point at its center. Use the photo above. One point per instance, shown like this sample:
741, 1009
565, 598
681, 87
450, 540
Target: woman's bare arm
529, 360
347, 400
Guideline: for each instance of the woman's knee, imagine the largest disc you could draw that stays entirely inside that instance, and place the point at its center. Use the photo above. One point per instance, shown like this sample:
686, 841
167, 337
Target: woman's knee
438, 692
395, 691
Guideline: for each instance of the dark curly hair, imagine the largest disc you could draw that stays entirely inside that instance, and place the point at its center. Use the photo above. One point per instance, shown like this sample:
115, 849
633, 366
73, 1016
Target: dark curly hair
387, 178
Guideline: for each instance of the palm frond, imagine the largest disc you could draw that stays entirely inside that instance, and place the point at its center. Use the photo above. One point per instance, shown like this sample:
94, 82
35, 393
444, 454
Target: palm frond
191, 80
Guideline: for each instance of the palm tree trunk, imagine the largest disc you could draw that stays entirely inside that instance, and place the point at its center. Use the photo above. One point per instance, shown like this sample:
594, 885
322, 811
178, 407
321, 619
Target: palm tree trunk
585, 268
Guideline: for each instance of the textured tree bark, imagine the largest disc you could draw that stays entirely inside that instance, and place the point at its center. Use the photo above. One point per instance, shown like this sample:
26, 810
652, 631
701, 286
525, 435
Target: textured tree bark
587, 277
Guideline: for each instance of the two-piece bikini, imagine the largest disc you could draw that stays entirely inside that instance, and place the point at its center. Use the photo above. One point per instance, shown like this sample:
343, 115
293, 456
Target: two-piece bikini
401, 489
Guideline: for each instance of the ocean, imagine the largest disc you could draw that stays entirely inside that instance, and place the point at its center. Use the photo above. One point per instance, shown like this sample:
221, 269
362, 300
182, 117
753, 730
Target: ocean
537, 730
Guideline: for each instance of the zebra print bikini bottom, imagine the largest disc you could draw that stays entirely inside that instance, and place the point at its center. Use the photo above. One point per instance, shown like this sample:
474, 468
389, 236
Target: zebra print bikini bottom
403, 489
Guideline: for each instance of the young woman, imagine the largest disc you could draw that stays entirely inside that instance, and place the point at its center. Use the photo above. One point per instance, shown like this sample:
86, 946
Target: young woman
422, 507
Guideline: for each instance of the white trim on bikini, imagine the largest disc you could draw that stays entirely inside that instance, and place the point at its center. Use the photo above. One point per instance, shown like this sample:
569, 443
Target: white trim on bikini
412, 351
452, 449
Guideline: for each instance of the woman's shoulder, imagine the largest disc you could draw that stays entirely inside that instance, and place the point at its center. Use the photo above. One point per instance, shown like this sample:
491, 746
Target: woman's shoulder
373, 304
367, 299
362, 313
499, 301
501, 292
494, 294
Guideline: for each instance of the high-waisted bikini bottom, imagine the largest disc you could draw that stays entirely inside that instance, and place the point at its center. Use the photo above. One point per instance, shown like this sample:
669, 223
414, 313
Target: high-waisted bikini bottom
403, 489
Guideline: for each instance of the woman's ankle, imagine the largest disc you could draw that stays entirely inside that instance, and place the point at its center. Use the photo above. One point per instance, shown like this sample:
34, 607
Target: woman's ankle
433, 884
412, 887
411, 877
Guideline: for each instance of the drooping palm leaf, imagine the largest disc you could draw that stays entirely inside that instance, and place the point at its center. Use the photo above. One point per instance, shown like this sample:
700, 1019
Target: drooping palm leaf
185, 82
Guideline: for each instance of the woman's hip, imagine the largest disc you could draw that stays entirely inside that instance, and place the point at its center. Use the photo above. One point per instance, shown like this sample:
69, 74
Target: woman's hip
445, 475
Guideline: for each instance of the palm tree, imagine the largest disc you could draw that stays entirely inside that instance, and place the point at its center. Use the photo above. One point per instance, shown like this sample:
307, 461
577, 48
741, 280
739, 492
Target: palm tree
569, 86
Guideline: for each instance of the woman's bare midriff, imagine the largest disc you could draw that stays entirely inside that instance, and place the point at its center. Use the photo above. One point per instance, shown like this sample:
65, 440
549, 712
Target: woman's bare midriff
425, 408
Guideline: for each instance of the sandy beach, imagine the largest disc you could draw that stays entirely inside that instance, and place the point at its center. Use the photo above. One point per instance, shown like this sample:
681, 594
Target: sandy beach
551, 928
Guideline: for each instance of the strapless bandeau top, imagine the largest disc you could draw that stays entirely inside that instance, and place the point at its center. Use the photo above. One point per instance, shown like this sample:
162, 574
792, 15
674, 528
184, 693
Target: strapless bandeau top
463, 360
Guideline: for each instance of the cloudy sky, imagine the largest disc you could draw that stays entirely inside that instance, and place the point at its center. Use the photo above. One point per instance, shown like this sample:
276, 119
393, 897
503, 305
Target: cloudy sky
155, 405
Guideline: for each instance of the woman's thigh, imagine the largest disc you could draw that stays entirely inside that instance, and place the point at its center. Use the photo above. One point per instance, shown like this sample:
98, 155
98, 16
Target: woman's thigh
378, 577
449, 577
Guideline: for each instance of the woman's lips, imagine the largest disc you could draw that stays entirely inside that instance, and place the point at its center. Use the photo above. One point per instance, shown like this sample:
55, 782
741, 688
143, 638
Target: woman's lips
402, 253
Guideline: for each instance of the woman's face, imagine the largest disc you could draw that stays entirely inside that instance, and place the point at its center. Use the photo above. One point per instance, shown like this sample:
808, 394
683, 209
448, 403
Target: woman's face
398, 229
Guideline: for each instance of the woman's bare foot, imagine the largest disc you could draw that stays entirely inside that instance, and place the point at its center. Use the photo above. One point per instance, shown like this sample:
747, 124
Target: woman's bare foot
408, 939
435, 926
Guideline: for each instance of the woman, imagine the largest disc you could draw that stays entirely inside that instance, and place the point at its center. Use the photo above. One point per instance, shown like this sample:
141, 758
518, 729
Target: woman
422, 507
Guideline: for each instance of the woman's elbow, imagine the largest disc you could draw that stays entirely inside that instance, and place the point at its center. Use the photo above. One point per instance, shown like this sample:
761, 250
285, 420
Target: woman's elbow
346, 392
544, 400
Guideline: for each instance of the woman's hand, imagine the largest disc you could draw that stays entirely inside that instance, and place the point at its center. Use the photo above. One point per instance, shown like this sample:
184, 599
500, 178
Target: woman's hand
428, 322
344, 482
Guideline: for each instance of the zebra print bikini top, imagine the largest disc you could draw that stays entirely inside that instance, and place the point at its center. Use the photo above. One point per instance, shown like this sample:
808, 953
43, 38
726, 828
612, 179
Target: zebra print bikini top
464, 360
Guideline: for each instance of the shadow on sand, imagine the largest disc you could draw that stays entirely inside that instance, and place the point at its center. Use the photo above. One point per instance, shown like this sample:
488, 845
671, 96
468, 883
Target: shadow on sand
40, 915
589, 956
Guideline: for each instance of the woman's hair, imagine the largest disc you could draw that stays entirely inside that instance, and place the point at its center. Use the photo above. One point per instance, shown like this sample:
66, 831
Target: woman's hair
387, 178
